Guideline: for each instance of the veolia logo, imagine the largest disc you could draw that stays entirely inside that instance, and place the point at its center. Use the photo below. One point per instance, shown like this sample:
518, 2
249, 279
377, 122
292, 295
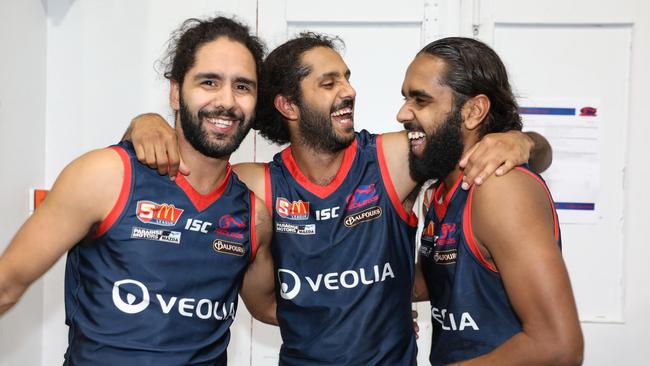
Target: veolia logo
290, 282
129, 307
284, 286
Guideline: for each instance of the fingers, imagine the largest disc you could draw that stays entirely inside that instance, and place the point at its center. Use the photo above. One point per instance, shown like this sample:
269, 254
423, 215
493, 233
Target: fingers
416, 327
478, 175
183, 169
139, 153
505, 167
173, 157
465, 158
150, 155
162, 162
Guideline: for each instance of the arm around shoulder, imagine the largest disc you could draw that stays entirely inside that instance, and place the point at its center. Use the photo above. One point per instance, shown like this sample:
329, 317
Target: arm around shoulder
258, 288
83, 194
254, 176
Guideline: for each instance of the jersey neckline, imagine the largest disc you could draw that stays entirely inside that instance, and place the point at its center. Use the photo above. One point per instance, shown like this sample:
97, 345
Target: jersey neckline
440, 203
315, 189
202, 201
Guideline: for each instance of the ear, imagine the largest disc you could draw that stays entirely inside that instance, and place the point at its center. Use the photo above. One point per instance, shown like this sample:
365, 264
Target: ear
174, 95
286, 107
475, 110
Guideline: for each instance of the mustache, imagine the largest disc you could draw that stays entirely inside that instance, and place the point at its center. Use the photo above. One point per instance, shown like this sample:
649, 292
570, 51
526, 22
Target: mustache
412, 127
221, 112
344, 104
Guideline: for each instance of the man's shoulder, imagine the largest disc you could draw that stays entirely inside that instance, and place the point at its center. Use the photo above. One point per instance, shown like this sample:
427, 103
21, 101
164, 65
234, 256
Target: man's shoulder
253, 175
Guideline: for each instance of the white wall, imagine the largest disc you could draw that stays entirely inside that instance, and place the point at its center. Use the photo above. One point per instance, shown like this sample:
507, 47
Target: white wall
22, 138
627, 343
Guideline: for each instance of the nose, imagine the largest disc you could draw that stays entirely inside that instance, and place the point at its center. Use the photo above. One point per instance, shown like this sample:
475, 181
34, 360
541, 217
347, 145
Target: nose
405, 114
224, 97
348, 91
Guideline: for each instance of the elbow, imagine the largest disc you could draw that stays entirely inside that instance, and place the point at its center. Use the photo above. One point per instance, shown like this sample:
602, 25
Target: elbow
573, 355
567, 351
268, 316
9, 296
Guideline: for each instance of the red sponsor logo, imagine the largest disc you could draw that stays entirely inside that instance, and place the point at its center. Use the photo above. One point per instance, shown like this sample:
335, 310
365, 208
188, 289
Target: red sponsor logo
447, 235
158, 213
362, 196
292, 210
429, 231
231, 226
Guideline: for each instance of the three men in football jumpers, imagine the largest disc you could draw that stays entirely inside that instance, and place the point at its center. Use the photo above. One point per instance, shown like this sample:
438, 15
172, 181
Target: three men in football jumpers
343, 233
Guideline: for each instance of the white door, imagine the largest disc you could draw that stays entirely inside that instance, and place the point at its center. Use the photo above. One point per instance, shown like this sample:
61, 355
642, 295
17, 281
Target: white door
381, 38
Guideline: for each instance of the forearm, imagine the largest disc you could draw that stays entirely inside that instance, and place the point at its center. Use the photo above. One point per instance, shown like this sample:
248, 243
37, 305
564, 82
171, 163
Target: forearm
541, 155
420, 290
263, 310
525, 350
10, 292
139, 119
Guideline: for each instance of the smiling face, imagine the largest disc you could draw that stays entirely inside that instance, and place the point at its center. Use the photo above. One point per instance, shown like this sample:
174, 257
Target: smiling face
216, 102
326, 120
433, 120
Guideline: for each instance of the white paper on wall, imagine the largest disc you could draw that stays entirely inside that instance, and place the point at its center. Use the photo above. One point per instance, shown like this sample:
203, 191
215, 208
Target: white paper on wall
572, 127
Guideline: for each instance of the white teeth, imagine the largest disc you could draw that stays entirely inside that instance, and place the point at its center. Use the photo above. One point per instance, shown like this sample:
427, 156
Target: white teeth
221, 123
414, 135
341, 112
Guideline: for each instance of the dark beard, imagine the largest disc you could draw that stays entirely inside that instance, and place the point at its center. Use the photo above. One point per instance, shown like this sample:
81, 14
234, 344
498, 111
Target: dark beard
442, 152
198, 137
316, 129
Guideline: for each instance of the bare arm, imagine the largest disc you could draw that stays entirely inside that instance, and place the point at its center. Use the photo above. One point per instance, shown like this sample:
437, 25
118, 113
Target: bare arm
155, 144
513, 223
502, 151
82, 196
253, 175
420, 289
258, 288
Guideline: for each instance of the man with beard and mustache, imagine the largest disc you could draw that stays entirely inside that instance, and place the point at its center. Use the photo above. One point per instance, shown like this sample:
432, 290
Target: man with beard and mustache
343, 232
155, 267
500, 292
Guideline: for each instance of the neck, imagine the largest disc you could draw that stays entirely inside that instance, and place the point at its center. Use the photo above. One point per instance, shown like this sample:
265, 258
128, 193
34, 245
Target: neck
469, 141
206, 173
451, 178
318, 166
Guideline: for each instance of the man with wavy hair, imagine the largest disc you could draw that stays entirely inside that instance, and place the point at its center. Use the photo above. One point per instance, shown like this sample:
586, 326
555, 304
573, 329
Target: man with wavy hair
155, 267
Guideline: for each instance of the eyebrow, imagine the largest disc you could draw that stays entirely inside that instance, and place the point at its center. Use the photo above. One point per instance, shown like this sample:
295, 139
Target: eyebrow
245, 80
208, 75
335, 74
217, 76
418, 93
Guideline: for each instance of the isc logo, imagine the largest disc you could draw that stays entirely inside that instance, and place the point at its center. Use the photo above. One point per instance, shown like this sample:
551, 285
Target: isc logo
158, 214
327, 213
296, 210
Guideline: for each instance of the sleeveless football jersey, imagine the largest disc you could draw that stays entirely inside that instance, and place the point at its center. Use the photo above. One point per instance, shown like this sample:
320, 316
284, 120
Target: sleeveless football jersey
344, 259
470, 310
158, 282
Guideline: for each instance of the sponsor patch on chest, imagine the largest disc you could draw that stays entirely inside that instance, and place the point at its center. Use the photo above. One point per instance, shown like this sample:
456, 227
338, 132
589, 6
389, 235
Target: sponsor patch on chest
284, 227
229, 247
166, 236
366, 215
163, 214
